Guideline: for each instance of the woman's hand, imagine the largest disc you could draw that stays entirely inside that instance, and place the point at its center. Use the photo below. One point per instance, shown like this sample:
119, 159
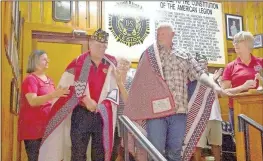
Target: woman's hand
36, 101
249, 84
60, 92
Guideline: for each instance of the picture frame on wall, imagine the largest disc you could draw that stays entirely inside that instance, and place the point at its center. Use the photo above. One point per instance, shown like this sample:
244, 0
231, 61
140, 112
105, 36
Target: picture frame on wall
15, 61
13, 95
62, 10
11, 92
17, 26
17, 107
234, 24
15, 18
20, 29
258, 41
13, 49
14, 11
7, 44
9, 51
13, 53
15, 98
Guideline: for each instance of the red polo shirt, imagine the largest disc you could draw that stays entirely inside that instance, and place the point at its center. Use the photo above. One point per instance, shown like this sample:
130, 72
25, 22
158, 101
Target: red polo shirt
238, 73
32, 120
97, 76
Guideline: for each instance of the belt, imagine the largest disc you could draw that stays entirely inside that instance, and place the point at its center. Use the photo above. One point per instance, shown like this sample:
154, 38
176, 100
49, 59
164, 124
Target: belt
82, 104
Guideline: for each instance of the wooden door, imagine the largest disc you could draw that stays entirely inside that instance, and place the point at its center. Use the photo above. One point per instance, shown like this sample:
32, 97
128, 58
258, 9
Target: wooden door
61, 50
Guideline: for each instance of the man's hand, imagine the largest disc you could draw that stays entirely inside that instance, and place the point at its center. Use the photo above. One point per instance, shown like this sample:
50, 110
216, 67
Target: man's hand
217, 74
222, 92
90, 104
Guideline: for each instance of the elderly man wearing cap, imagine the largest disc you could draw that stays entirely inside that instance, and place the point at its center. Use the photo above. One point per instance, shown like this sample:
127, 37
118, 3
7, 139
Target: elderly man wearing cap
90, 109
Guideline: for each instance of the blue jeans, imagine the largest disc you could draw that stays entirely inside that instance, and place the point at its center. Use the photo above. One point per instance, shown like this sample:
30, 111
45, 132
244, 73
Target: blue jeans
231, 119
167, 135
191, 89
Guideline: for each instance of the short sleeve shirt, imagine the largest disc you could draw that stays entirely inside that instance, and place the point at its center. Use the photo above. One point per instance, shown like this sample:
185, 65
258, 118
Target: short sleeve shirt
238, 73
33, 120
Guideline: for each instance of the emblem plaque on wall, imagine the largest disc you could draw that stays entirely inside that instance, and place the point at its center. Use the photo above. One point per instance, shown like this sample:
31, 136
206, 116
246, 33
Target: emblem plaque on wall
128, 28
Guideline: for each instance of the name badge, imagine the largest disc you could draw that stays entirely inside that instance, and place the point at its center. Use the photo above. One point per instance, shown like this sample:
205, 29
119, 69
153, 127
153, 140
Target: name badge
257, 68
161, 105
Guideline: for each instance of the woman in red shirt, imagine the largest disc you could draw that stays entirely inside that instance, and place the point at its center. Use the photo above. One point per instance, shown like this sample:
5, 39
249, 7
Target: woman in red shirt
37, 93
239, 75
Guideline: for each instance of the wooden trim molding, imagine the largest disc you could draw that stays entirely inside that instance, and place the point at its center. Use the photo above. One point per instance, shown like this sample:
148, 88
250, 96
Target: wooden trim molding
55, 37
59, 36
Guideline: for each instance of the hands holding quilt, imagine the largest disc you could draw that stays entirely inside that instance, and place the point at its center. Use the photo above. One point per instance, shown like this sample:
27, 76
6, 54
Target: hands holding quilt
60, 92
90, 104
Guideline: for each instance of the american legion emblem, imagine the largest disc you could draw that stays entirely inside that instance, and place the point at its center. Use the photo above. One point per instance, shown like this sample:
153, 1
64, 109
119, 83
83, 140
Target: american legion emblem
129, 28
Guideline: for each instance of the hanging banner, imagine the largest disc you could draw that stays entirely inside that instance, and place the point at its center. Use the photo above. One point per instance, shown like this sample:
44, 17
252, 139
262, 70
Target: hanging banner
198, 27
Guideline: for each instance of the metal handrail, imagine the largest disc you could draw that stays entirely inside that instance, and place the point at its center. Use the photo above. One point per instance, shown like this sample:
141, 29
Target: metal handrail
243, 118
128, 126
243, 122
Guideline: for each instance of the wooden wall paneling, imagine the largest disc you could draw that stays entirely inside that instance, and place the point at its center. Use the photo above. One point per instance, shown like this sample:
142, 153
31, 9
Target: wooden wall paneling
82, 14
93, 14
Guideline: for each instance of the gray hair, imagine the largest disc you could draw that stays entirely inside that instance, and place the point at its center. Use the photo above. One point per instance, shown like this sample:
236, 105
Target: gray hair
165, 25
123, 59
244, 36
123, 63
33, 60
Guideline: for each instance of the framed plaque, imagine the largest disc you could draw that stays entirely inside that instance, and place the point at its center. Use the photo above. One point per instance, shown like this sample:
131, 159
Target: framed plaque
17, 105
13, 95
62, 10
258, 41
234, 24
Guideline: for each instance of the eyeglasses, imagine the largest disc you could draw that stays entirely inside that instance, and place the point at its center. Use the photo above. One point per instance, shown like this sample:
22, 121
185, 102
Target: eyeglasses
237, 42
